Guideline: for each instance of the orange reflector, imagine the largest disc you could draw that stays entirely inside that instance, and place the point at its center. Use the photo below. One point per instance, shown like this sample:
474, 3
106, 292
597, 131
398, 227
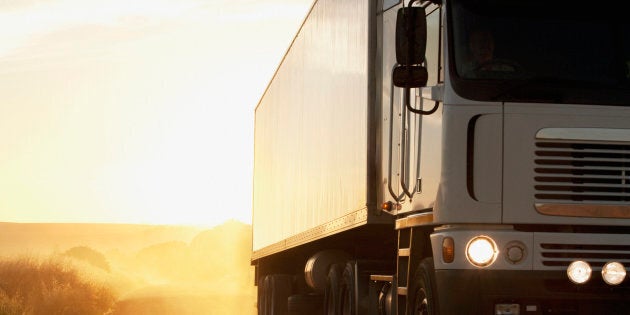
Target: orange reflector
448, 250
387, 206
390, 206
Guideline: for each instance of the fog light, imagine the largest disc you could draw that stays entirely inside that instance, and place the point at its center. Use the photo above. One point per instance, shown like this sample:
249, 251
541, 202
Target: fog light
481, 251
613, 273
579, 272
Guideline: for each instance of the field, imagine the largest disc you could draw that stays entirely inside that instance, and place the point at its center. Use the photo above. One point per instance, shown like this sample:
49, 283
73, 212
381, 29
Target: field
125, 269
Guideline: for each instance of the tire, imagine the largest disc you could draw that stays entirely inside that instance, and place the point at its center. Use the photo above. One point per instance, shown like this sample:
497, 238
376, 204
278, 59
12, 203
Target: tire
332, 297
273, 299
347, 292
424, 300
262, 303
385, 297
355, 298
306, 304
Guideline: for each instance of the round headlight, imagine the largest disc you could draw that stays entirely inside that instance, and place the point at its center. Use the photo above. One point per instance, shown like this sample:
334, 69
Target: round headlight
579, 272
613, 273
481, 251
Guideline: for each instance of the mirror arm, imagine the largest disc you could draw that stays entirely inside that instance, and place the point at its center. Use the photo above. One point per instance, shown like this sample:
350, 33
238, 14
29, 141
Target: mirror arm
407, 101
425, 3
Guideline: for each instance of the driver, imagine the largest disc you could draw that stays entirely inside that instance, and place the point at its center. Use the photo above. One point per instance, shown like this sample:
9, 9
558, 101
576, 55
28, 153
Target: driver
481, 46
481, 58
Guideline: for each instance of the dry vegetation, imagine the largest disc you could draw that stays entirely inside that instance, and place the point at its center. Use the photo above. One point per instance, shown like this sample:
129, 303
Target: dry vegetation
206, 274
53, 286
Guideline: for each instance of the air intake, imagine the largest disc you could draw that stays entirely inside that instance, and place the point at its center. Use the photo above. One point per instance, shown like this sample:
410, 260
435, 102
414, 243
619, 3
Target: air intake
582, 172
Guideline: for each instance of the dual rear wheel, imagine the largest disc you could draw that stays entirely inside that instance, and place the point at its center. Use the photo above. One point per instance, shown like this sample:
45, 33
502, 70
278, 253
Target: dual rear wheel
341, 291
341, 294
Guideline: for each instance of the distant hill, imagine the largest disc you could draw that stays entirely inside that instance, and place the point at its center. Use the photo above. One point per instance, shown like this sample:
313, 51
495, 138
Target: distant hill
220, 254
45, 238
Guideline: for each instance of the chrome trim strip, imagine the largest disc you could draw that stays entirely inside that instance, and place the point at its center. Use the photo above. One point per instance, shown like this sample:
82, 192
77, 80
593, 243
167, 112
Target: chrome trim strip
582, 210
415, 220
344, 223
588, 134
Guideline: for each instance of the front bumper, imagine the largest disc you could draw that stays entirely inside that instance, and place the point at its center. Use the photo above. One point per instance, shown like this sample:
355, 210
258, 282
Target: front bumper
535, 292
537, 281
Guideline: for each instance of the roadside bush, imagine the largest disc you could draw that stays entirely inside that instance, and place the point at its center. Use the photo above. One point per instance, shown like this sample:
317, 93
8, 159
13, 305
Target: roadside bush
88, 255
50, 287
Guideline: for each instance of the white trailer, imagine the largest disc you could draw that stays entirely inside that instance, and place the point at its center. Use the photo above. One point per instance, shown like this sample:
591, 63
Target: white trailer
396, 172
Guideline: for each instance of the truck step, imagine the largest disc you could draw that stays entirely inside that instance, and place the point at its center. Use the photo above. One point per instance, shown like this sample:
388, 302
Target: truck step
402, 290
403, 252
382, 278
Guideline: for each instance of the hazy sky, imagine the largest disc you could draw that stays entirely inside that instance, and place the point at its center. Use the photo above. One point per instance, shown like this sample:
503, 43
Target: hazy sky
134, 111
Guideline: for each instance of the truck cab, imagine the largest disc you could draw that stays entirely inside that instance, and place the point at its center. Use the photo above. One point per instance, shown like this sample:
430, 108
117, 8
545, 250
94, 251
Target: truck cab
522, 175
447, 157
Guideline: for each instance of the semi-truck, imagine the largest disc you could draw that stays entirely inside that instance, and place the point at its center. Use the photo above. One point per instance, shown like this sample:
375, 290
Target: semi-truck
446, 157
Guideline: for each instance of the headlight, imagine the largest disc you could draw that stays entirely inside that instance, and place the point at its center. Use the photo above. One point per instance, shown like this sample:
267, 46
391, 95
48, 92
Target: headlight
481, 251
613, 273
579, 272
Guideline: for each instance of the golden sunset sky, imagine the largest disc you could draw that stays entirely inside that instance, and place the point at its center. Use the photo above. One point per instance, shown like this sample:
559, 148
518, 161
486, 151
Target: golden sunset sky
141, 111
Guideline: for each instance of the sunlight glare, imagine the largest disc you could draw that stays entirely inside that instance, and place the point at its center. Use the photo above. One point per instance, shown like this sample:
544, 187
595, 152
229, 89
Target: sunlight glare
134, 112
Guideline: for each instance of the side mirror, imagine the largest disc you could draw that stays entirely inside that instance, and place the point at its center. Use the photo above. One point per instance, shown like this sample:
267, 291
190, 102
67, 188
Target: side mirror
410, 76
411, 35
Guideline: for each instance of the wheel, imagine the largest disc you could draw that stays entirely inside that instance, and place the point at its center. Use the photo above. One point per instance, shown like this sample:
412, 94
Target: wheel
348, 300
332, 298
262, 303
306, 304
354, 290
424, 299
385, 297
274, 294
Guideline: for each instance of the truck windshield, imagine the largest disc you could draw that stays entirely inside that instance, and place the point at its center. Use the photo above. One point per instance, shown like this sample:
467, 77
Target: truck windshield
552, 52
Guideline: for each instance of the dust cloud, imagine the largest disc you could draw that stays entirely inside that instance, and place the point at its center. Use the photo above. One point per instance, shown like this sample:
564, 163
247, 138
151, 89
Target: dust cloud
125, 269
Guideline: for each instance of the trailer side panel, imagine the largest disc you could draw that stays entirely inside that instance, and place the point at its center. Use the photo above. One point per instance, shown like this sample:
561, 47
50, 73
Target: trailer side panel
311, 125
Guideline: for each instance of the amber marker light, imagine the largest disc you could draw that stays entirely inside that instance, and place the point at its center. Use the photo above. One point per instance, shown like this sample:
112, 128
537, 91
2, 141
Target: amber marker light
387, 206
448, 249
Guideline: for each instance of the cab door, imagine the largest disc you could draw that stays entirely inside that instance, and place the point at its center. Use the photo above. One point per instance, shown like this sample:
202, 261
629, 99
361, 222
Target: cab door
411, 143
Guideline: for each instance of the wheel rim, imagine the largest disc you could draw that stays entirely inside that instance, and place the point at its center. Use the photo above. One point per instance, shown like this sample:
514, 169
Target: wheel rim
422, 303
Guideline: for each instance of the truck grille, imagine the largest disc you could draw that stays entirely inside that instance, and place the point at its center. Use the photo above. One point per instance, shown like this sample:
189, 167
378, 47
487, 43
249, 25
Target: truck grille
582, 172
555, 251
561, 255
